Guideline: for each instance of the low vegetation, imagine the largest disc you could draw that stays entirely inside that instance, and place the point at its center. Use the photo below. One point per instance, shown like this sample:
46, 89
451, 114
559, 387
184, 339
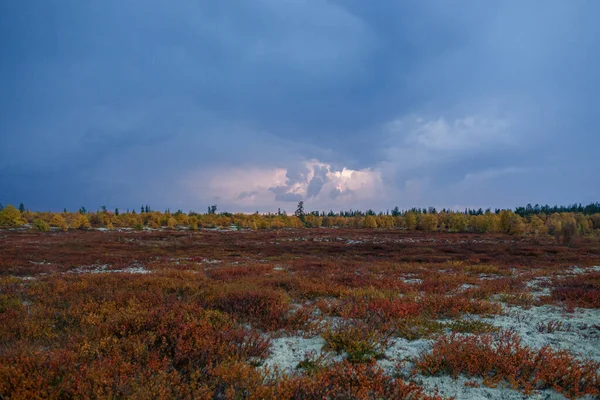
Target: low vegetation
503, 358
194, 314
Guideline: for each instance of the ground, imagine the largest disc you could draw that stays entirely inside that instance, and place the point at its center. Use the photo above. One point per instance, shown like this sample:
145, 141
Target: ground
296, 313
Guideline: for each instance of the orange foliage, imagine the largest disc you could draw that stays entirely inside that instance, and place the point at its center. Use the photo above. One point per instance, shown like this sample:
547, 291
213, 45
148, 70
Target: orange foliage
502, 357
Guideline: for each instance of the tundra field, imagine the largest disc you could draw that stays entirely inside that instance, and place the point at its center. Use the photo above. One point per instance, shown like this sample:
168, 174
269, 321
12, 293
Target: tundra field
303, 314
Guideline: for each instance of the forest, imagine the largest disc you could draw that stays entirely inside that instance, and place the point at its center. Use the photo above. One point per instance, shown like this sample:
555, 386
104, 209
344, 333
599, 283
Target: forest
562, 222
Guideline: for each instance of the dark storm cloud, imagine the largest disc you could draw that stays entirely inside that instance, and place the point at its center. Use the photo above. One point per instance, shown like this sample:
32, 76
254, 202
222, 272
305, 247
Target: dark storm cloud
453, 103
317, 181
287, 197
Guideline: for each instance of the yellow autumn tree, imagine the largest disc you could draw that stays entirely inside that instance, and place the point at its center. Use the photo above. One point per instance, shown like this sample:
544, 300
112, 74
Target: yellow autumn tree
385, 221
427, 222
457, 223
328, 222
193, 222
583, 224
399, 221
182, 219
537, 226
277, 223
10, 216
410, 220
516, 226
294, 222
369, 222
312, 221
58, 221
480, 223
493, 223
80, 221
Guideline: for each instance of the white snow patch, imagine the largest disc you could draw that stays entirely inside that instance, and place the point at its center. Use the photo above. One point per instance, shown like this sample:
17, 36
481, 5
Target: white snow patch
103, 269
287, 352
579, 332
403, 350
350, 241
446, 386
536, 285
579, 271
410, 280
489, 277
466, 286
134, 270
413, 281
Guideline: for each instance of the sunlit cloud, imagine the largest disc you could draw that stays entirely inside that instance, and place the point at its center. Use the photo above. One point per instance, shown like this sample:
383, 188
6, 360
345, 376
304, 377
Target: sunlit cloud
268, 188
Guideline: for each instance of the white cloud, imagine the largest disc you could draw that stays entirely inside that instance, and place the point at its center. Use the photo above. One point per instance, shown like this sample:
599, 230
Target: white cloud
266, 188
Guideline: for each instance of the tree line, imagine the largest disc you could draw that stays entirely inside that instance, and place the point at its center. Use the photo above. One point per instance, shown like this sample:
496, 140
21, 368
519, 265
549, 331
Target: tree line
564, 221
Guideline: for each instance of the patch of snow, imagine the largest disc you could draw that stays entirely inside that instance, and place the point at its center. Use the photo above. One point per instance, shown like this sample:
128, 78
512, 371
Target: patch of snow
90, 269
350, 241
447, 386
403, 350
414, 281
103, 269
581, 340
579, 332
579, 271
488, 277
134, 270
287, 352
24, 278
466, 286
536, 282
209, 261
537, 287
541, 293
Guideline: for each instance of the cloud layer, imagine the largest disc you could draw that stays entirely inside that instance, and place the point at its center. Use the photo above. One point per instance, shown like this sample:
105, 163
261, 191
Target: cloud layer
338, 103
258, 189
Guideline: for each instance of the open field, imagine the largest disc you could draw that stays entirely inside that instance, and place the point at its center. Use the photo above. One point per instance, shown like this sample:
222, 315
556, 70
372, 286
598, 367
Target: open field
316, 313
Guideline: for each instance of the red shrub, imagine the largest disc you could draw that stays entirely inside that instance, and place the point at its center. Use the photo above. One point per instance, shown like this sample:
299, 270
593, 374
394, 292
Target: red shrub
387, 309
263, 308
202, 346
579, 291
502, 357
353, 381
442, 306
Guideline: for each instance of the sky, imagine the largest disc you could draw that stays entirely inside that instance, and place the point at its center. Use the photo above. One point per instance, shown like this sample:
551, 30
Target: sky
254, 105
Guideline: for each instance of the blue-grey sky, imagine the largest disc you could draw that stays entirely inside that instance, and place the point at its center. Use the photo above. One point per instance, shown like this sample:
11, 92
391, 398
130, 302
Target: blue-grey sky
257, 104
